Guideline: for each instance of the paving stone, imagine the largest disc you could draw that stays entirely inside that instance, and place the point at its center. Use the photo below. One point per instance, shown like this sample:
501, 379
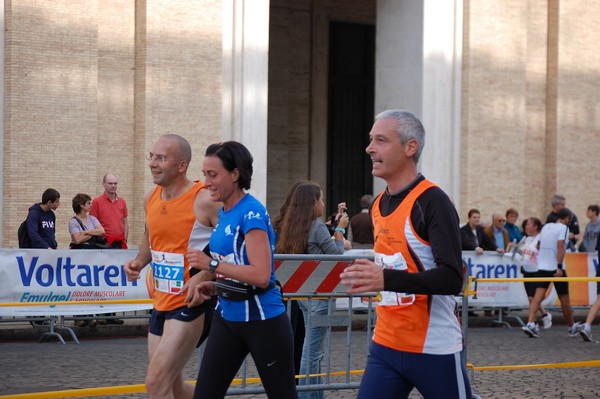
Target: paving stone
106, 358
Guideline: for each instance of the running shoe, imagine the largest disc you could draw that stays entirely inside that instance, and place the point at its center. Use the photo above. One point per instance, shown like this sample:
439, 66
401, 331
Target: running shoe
547, 321
531, 330
586, 335
575, 329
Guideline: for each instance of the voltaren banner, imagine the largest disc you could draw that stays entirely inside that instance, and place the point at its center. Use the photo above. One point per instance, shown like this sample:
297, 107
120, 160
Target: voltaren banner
36, 276
39, 275
494, 265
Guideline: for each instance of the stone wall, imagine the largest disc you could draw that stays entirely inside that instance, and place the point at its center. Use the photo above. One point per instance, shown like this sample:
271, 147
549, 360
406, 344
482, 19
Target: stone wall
90, 85
530, 120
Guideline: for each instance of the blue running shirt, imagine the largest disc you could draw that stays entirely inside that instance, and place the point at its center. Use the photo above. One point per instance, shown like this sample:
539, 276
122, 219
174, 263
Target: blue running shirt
228, 243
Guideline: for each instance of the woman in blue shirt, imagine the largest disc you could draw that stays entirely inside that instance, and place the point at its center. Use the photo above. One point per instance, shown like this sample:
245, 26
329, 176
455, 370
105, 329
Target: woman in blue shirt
250, 316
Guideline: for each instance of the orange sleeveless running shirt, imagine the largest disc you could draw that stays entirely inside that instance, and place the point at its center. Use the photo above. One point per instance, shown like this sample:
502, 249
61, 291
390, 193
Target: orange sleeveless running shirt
170, 224
415, 323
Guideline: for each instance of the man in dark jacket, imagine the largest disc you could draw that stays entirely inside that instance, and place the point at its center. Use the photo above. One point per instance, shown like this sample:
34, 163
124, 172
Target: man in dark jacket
473, 237
361, 225
41, 220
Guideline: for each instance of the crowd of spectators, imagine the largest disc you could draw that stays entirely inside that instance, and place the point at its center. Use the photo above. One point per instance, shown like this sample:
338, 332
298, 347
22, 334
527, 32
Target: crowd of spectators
542, 248
502, 233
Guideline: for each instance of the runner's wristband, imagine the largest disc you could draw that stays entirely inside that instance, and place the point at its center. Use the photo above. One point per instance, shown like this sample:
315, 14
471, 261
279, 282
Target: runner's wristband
559, 266
343, 230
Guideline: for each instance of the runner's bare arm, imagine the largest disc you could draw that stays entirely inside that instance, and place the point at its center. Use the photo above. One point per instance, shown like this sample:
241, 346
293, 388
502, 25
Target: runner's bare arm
258, 272
206, 210
207, 213
199, 293
133, 267
560, 256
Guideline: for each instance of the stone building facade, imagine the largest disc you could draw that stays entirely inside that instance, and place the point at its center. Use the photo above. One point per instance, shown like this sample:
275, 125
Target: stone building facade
507, 91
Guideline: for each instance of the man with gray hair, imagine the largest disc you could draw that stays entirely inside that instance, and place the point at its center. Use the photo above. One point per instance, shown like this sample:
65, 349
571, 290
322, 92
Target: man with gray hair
417, 270
498, 233
559, 202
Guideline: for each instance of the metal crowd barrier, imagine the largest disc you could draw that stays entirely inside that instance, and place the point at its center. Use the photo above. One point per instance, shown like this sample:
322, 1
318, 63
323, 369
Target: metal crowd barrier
313, 277
307, 277
317, 277
333, 378
53, 326
248, 381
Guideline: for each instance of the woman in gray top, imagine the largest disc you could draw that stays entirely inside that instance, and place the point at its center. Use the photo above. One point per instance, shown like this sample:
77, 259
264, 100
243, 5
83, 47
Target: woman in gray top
301, 231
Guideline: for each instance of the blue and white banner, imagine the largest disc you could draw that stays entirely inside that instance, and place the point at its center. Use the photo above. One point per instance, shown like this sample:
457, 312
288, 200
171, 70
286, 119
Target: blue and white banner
494, 265
512, 294
36, 276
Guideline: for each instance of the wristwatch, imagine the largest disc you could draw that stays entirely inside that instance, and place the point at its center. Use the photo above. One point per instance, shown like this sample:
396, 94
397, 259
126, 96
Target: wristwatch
214, 263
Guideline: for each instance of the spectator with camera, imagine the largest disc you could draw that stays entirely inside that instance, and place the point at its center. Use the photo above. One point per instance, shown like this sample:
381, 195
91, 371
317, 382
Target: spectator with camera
333, 221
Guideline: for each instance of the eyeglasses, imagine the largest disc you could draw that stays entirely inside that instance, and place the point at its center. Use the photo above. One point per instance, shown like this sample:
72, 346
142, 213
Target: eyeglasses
158, 158
502, 220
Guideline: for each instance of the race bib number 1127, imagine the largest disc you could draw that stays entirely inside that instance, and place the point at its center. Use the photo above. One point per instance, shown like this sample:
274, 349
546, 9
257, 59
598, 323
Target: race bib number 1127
168, 272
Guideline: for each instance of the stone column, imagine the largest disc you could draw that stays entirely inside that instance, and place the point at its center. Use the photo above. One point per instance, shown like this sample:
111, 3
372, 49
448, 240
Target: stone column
245, 82
418, 68
2, 40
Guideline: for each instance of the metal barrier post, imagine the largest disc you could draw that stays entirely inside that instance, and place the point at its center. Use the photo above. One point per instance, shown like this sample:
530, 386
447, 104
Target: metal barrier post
464, 315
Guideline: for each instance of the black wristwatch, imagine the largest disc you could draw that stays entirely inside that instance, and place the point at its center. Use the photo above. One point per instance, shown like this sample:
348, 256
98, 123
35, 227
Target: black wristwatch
214, 263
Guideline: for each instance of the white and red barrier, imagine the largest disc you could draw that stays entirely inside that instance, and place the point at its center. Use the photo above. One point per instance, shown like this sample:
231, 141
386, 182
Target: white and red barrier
311, 276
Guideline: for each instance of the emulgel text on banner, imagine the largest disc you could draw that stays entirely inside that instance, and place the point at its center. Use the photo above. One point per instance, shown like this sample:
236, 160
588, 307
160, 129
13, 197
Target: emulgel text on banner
36, 276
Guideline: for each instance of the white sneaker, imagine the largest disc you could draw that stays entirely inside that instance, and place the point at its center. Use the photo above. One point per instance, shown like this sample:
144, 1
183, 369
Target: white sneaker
586, 335
547, 321
532, 330
575, 329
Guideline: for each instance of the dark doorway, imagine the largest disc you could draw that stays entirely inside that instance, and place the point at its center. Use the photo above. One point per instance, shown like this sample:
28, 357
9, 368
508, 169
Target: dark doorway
350, 113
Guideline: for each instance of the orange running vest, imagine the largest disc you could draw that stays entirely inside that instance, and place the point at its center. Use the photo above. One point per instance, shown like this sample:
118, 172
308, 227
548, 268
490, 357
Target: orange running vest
170, 225
429, 324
